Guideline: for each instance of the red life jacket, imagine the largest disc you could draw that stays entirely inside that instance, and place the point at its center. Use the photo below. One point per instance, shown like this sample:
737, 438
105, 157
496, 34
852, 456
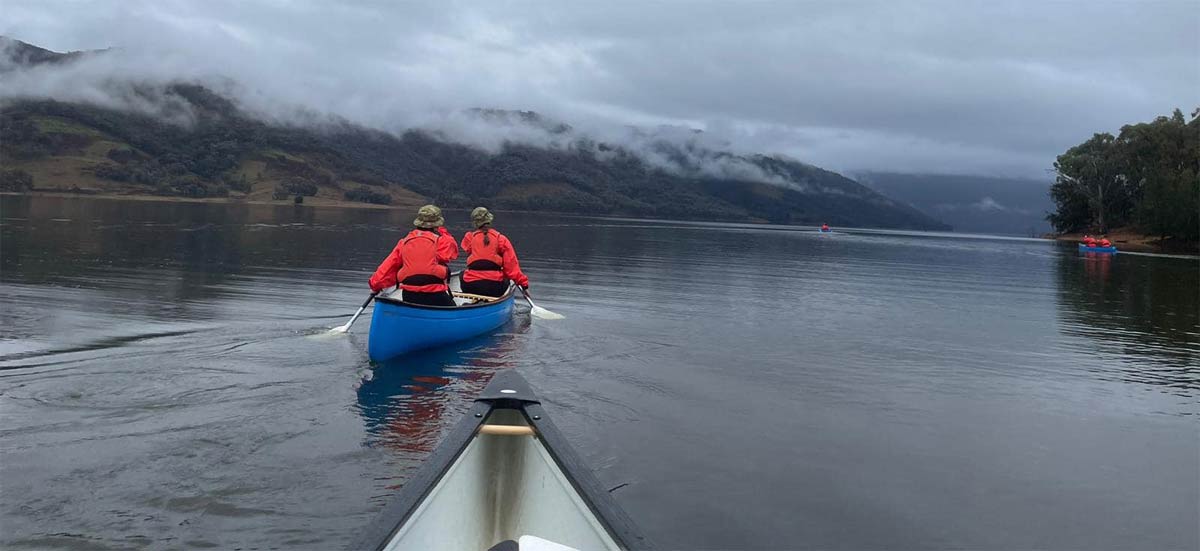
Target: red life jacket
485, 261
420, 271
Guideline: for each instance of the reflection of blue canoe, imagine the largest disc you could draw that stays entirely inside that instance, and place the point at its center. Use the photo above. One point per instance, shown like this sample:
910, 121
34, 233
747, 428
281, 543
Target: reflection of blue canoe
1102, 250
503, 478
406, 402
398, 327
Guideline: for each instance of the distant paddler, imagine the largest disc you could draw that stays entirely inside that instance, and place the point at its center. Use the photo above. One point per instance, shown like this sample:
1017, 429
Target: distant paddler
824, 227
420, 262
491, 261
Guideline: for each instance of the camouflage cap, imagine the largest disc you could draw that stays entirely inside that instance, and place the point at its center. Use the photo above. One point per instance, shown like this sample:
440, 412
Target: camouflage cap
429, 217
481, 216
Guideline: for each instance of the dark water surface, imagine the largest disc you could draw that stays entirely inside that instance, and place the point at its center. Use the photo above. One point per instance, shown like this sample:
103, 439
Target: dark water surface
164, 383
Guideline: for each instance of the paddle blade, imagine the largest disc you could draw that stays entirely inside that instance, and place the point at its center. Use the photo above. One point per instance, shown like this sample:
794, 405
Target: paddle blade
542, 313
345, 328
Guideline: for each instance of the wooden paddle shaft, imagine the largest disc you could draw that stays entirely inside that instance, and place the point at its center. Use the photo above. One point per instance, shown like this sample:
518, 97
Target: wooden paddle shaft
506, 430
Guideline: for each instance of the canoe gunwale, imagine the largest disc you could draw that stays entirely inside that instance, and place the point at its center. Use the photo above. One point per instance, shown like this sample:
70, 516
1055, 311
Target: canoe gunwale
416, 489
499, 300
399, 327
379, 534
620, 527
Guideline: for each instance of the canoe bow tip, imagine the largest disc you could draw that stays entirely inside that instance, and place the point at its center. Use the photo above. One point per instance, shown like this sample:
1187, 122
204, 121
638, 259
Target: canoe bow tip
508, 386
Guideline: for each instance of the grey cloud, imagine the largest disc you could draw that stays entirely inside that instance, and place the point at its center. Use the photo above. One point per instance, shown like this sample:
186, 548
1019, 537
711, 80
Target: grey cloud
994, 88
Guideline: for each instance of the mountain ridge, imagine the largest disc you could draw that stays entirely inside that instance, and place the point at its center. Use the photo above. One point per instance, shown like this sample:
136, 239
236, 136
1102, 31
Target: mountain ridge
18, 55
214, 149
971, 203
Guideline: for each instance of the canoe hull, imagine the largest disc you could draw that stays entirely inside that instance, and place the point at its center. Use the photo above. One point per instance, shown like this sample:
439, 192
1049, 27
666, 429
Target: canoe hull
1100, 250
398, 328
482, 486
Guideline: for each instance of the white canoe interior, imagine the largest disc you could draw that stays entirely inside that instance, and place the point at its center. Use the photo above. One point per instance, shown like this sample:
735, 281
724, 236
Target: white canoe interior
503, 487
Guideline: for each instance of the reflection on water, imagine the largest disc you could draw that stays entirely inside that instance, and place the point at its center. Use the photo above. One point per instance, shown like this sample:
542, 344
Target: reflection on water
198, 245
409, 402
746, 386
1143, 311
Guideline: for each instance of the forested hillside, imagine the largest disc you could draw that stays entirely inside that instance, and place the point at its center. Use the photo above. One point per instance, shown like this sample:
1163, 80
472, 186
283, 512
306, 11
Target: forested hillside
201, 144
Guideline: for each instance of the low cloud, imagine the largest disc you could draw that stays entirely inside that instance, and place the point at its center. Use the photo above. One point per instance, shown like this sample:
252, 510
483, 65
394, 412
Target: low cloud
945, 87
988, 204
132, 81
984, 205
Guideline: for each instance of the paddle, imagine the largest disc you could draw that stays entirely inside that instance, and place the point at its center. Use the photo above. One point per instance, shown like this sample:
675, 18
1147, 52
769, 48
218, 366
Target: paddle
537, 311
345, 328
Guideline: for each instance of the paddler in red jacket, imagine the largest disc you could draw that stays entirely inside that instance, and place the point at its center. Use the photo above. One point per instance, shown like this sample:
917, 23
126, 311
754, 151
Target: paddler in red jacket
419, 262
491, 260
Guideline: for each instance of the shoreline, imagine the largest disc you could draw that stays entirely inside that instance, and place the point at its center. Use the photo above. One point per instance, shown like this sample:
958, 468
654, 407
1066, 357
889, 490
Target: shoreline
328, 203
1127, 239
1124, 238
242, 200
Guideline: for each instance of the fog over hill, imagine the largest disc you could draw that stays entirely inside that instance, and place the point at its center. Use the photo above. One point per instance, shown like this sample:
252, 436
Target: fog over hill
980, 204
937, 86
70, 124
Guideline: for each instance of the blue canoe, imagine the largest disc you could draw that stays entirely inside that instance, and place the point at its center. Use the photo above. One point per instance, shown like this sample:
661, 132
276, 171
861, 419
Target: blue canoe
1102, 250
398, 327
819, 230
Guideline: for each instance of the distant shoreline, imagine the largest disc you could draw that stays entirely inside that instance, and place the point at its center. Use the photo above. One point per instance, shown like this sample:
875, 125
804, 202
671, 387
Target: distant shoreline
314, 202
308, 201
1126, 239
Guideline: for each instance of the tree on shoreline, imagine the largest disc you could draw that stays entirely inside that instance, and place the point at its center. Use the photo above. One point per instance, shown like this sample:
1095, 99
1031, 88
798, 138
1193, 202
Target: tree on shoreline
1091, 171
1147, 176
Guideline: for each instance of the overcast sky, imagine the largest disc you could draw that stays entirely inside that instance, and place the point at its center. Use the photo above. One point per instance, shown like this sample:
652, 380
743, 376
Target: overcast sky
989, 87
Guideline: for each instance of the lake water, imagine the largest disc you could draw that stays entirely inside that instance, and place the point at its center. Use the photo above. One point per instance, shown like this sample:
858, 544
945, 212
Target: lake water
164, 383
